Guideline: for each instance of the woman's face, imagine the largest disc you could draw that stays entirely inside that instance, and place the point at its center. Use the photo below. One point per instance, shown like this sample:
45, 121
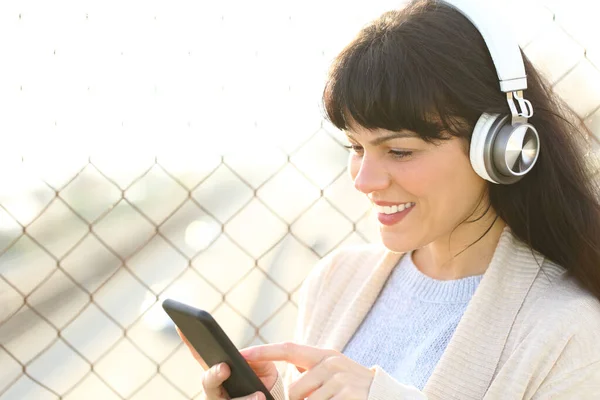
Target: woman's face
394, 168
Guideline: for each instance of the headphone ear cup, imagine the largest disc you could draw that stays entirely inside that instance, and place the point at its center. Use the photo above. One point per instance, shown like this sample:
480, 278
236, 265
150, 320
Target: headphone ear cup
502, 153
481, 135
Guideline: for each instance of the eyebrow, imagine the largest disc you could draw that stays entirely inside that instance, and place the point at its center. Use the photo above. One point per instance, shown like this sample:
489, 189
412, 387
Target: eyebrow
382, 139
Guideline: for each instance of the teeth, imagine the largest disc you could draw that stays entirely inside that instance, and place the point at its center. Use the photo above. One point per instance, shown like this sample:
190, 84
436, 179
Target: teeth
393, 209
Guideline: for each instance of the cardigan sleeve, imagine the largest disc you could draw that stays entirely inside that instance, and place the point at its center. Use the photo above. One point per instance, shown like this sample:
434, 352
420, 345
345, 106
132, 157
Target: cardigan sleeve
278, 391
384, 387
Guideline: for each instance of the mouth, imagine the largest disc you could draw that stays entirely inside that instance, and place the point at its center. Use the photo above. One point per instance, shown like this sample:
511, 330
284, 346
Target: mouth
388, 210
391, 215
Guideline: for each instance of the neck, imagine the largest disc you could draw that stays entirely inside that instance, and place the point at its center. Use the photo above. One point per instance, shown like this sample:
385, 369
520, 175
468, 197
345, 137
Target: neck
455, 256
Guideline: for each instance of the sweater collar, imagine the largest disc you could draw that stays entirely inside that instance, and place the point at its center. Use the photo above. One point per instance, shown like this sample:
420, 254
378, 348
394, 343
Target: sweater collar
408, 279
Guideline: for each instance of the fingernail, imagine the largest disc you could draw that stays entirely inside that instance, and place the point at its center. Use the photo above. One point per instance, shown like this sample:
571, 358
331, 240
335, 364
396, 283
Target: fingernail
245, 353
219, 368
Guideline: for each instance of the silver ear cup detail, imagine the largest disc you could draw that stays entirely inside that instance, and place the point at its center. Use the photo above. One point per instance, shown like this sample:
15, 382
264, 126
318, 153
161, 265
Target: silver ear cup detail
516, 149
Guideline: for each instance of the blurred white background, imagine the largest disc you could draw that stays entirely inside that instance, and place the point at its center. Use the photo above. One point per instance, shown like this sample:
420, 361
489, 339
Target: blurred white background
155, 149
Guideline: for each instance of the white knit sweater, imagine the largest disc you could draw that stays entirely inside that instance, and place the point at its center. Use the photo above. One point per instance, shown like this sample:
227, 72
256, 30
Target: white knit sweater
528, 332
409, 326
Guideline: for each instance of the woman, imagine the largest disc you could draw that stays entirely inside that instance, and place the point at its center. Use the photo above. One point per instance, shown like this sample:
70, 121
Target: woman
480, 290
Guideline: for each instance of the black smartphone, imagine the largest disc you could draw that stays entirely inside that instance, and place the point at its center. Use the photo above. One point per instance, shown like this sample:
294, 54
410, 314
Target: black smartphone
214, 346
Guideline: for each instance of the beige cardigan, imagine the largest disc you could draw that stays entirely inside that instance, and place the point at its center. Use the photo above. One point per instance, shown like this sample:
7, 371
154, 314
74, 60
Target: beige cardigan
528, 332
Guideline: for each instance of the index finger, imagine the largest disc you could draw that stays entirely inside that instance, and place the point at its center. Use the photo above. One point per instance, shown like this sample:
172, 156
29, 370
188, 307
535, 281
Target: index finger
300, 355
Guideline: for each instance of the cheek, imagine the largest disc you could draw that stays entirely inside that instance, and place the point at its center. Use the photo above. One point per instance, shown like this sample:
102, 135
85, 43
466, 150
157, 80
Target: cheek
456, 189
417, 184
446, 182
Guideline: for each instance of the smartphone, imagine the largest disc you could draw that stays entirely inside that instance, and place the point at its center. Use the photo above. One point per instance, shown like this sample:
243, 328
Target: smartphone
214, 346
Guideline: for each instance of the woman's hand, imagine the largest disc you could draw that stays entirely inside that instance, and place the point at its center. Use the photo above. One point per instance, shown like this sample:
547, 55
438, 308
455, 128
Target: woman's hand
328, 374
213, 378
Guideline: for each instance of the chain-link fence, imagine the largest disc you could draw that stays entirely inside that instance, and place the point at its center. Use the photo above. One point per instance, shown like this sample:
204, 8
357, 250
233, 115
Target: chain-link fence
89, 246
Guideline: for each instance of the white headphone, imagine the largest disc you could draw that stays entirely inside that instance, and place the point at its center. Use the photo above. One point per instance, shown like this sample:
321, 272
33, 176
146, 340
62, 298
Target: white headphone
503, 147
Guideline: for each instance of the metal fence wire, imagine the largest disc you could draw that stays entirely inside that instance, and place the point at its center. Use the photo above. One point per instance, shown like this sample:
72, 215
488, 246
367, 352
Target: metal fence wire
90, 246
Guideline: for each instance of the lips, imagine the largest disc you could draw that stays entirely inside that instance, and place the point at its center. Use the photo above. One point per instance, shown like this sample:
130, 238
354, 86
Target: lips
395, 217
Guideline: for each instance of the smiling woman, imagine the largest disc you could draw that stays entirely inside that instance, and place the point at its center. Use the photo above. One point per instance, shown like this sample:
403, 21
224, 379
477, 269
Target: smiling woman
487, 282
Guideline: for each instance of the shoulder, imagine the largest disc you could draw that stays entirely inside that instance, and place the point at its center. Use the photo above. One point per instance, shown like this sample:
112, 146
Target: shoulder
557, 294
555, 333
559, 310
569, 322
573, 306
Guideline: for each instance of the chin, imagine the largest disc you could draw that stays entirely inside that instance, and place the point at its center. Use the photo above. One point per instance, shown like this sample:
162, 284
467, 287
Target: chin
396, 242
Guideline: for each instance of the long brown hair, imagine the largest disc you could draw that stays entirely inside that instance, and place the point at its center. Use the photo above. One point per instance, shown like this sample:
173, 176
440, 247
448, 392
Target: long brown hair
428, 60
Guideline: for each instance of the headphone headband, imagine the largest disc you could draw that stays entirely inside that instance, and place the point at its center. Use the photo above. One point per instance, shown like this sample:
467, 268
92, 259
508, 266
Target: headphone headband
504, 148
499, 39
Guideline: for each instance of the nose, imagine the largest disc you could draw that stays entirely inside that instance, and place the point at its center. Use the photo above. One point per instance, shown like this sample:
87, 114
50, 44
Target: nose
369, 175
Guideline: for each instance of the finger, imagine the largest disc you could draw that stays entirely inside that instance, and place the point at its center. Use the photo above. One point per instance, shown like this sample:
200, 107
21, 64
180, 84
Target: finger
213, 379
297, 354
253, 396
307, 384
192, 350
326, 373
326, 392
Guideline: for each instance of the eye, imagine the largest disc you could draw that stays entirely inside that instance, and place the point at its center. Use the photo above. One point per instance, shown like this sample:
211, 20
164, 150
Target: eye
400, 153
